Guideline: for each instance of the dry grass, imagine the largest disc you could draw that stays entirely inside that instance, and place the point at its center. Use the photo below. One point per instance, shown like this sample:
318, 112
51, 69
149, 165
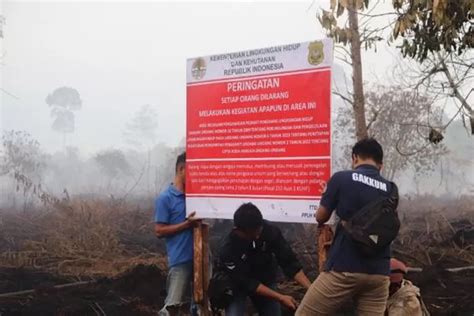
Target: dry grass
79, 238
85, 238
429, 229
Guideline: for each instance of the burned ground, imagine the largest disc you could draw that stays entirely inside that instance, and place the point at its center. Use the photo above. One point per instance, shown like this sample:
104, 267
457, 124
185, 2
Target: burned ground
139, 291
113, 248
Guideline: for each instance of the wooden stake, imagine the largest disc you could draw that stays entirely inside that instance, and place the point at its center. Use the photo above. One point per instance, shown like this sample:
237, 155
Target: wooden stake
201, 267
205, 269
198, 246
325, 235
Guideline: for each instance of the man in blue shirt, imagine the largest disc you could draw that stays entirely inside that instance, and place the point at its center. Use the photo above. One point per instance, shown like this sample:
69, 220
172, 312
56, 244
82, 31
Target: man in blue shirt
172, 224
348, 273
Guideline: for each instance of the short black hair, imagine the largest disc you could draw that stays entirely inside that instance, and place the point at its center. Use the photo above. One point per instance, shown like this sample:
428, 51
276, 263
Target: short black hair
368, 148
181, 160
248, 217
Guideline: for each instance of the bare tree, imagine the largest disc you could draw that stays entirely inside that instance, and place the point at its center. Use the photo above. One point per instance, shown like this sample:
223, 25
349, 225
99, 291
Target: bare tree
2, 54
401, 120
446, 76
351, 22
22, 161
141, 133
20, 153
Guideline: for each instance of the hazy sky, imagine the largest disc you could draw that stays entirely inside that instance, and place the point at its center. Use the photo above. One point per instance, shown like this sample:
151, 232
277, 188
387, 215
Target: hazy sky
122, 55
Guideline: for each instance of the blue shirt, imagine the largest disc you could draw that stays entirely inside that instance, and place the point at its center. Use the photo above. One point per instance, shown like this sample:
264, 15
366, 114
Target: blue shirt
347, 192
170, 208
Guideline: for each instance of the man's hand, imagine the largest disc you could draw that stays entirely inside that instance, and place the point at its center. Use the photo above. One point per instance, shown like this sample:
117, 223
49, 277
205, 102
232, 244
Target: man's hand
192, 220
288, 302
164, 230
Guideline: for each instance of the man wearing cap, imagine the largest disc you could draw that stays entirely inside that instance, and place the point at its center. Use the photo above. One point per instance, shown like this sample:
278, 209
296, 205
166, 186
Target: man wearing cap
404, 298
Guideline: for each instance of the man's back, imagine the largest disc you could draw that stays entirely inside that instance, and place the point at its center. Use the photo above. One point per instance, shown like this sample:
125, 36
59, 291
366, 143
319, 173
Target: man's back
347, 192
350, 274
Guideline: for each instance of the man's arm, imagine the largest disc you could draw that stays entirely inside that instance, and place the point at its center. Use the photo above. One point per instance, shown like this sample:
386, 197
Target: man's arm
164, 230
234, 267
286, 300
287, 259
302, 279
329, 199
322, 215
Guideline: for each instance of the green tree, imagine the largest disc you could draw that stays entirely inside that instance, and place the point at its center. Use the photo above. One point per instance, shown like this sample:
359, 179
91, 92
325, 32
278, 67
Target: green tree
64, 101
430, 26
431, 29
439, 35
2, 23
113, 165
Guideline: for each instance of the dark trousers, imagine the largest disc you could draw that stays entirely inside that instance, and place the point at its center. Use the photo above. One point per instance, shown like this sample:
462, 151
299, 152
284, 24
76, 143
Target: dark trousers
264, 306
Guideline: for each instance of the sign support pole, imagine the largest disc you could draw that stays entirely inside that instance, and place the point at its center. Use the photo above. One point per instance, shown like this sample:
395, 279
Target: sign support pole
201, 268
325, 235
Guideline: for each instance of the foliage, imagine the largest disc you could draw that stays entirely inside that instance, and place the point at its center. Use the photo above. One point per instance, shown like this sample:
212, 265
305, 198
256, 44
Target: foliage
2, 23
113, 163
63, 102
343, 34
429, 26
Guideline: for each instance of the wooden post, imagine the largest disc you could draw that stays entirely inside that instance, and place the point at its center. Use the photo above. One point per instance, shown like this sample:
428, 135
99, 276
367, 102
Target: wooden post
324, 243
198, 288
205, 269
201, 267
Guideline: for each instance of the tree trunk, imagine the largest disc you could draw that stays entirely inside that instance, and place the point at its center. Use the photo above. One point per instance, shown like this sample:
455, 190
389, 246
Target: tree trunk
357, 82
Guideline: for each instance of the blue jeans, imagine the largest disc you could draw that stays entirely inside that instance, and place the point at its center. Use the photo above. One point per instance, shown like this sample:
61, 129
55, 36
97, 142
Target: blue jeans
264, 306
179, 289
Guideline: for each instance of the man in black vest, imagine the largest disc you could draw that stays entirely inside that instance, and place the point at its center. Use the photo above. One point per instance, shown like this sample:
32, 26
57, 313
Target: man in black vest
348, 273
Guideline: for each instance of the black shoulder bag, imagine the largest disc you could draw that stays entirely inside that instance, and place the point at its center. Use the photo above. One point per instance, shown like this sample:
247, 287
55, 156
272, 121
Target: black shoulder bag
375, 225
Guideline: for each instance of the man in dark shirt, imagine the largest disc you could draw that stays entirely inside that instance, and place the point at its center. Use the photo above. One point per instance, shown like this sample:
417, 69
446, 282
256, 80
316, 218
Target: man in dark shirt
250, 255
349, 274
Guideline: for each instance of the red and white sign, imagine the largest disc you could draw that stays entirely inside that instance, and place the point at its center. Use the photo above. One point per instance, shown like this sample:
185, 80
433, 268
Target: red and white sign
259, 130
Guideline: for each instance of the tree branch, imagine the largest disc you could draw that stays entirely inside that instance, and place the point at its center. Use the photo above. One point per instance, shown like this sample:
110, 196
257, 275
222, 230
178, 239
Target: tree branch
348, 100
457, 93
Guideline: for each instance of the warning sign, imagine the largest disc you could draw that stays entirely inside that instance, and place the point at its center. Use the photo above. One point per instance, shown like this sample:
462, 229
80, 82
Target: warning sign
259, 130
